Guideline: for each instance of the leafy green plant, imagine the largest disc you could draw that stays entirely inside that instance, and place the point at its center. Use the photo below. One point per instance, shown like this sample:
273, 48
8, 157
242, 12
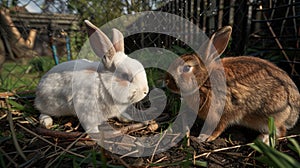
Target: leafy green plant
271, 156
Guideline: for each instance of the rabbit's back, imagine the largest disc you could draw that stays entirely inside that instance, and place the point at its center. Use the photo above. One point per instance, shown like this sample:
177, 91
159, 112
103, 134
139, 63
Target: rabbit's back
54, 95
258, 89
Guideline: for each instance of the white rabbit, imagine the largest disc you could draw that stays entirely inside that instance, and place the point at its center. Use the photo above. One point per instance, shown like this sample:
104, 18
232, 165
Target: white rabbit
95, 91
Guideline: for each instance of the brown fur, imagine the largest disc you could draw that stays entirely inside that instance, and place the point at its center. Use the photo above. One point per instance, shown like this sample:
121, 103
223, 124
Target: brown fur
256, 89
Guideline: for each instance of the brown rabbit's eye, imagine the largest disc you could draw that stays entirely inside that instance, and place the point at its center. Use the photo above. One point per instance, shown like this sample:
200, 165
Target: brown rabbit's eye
186, 68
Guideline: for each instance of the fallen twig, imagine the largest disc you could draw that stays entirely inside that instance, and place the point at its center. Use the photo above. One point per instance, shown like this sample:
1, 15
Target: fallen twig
57, 134
130, 153
120, 160
63, 152
132, 127
6, 94
237, 146
45, 140
155, 149
13, 133
161, 159
9, 158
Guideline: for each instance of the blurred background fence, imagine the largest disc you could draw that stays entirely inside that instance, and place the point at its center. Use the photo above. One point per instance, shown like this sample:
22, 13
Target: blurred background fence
37, 34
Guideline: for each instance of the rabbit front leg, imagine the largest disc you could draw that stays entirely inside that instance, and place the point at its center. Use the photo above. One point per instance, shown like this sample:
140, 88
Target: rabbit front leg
216, 117
204, 136
46, 121
222, 125
215, 120
90, 120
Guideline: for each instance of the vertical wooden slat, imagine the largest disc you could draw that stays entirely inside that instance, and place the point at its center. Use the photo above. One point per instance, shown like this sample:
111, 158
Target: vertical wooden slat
220, 13
248, 25
231, 12
258, 16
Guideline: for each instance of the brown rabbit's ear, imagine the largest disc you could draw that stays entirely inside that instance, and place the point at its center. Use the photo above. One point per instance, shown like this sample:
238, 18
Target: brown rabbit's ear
100, 44
221, 38
118, 40
217, 44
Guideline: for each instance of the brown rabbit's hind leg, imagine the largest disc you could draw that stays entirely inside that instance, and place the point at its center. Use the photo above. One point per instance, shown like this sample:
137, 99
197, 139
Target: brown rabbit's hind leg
280, 132
264, 137
264, 130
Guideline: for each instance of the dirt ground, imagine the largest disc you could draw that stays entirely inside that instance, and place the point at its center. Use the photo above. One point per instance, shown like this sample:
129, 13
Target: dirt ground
67, 146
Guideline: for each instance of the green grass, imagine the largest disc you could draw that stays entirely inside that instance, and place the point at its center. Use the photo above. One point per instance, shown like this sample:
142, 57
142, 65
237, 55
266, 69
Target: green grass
23, 75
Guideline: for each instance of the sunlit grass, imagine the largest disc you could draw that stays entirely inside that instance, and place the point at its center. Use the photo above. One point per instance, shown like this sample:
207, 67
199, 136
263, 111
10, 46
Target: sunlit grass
24, 75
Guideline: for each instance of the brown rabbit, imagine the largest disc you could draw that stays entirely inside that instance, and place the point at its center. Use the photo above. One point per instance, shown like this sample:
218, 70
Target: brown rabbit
255, 88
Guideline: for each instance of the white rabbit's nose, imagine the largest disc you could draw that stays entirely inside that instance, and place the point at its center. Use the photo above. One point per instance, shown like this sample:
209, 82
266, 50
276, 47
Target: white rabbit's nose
146, 90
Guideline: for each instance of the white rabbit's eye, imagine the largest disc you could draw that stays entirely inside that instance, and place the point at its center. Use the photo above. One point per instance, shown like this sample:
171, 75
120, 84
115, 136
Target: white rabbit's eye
186, 68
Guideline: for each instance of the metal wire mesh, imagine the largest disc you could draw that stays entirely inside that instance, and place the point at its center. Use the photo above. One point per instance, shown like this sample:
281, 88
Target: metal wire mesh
268, 29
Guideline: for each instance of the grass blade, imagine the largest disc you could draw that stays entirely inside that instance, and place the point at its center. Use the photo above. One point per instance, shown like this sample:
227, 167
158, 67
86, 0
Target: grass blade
272, 132
295, 147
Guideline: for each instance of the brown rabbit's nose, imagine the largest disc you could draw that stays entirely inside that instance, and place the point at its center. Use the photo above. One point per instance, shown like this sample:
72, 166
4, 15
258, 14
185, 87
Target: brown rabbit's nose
166, 82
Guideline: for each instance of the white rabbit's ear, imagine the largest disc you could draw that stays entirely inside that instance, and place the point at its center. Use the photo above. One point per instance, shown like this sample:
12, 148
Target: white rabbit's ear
118, 40
217, 44
100, 44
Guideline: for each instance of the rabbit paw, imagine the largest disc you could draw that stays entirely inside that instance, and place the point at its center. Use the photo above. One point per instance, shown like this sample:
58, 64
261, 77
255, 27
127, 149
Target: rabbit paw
203, 137
46, 121
211, 138
264, 138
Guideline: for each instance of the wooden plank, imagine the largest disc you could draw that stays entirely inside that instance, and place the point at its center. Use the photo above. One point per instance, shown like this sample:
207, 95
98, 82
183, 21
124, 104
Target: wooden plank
40, 21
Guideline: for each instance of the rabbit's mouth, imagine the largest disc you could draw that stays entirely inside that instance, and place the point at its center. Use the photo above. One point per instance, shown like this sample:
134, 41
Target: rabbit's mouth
189, 92
170, 83
183, 91
136, 97
132, 99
